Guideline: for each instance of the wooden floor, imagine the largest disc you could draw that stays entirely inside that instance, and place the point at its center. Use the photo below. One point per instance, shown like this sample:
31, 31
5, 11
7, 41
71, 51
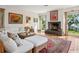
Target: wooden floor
74, 48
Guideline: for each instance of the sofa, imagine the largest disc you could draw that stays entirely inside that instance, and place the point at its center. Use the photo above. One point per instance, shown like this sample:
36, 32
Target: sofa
11, 46
15, 44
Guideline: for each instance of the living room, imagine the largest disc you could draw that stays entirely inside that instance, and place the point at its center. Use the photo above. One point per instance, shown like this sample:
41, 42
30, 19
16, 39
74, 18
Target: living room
38, 19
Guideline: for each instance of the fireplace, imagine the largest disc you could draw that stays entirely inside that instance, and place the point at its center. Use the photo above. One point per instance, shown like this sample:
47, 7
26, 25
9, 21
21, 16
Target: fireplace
54, 28
54, 25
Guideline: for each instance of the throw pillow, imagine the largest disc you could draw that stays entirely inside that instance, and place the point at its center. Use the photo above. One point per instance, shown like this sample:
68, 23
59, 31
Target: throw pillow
15, 37
22, 35
10, 35
17, 40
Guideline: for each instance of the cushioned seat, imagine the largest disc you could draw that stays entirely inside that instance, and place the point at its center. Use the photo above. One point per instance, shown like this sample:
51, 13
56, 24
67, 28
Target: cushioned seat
26, 47
37, 40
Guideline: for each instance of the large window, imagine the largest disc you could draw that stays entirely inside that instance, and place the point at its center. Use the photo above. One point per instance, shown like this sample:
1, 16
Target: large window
73, 23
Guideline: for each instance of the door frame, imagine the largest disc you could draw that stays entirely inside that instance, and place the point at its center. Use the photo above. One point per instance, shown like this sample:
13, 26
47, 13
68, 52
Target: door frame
66, 24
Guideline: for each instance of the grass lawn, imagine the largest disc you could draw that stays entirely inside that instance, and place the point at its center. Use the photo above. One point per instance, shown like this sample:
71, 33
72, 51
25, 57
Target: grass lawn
72, 32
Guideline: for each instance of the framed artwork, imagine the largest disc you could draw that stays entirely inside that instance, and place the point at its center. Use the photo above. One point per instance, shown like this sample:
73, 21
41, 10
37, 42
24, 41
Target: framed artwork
2, 17
54, 15
35, 20
28, 19
15, 18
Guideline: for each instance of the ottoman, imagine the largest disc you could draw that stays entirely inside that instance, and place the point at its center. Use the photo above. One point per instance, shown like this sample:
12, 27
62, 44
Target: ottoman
39, 42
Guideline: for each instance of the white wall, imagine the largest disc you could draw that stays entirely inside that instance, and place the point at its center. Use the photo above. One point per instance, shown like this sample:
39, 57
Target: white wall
19, 11
61, 18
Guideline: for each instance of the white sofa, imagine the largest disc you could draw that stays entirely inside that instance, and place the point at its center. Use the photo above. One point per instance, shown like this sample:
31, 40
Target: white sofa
11, 46
35, 42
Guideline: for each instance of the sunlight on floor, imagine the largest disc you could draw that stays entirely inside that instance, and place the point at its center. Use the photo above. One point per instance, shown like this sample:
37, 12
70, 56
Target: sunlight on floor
74, 33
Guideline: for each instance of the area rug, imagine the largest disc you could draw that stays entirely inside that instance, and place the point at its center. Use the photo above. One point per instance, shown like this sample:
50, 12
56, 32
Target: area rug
57, 46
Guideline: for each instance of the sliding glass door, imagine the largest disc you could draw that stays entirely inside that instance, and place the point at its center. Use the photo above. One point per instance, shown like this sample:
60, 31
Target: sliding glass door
73, 23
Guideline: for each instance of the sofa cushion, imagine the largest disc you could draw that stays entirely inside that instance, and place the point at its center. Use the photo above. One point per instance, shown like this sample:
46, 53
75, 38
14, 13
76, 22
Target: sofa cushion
27, 46
37, 40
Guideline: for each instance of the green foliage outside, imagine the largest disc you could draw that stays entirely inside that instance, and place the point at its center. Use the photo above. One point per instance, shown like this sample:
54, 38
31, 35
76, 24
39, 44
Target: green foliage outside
42, 23
71, 20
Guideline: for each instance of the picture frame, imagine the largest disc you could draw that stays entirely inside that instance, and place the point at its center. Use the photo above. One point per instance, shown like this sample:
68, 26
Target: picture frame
15, 18
2, 17
28, 19
54, 15
35, 19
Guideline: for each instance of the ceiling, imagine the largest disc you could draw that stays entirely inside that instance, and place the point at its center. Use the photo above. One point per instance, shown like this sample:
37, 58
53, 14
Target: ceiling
44, 8
39, 8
